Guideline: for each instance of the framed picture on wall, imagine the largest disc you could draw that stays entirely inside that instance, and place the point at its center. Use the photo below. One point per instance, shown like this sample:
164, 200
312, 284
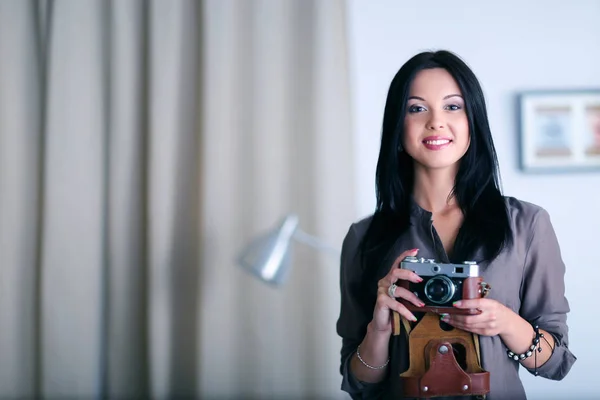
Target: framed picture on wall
559, 130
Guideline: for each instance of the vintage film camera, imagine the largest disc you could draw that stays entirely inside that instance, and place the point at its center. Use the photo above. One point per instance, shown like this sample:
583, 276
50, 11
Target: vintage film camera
443, 284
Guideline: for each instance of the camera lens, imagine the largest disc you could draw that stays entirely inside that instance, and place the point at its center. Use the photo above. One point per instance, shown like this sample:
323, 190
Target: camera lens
439, 289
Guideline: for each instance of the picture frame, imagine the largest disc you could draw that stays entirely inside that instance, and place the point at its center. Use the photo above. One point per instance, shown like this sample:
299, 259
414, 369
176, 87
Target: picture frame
559, 130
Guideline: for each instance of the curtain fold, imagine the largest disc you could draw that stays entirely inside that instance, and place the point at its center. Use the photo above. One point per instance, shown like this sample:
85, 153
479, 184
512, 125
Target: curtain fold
142, 144
20, 149
127, 338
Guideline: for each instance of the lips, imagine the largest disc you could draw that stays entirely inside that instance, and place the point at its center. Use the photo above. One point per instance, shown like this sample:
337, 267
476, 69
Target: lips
436, 142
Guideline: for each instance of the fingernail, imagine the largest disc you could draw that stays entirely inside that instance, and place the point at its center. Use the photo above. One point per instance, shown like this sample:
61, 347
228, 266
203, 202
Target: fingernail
422, 305
457, 303
414, 250
413, 318
442, 316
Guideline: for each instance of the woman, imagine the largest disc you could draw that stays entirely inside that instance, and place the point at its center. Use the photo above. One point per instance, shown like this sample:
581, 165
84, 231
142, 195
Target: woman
438, 194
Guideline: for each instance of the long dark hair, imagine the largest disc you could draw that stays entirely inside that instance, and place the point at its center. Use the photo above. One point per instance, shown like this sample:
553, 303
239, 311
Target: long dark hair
477, 184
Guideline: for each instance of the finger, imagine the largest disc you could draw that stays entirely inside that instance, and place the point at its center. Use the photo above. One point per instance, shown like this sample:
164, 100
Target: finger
480, 327
457, 325
465, 319
470, 304
471, 322
394, 305
404, 274
455, 322
482, 316
385, 304
400, 292
407, 253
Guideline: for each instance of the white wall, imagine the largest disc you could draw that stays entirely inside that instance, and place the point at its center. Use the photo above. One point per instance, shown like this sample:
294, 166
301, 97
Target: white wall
511, 46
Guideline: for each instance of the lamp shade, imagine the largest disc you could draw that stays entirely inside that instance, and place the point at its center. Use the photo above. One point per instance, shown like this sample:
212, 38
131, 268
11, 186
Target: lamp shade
268, 257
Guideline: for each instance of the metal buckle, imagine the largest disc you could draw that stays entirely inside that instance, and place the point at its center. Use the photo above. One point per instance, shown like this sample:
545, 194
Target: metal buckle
485, 289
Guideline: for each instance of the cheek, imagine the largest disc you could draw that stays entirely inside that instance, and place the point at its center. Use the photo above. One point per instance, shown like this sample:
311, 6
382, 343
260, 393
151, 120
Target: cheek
461, 127
413, 127
409, 132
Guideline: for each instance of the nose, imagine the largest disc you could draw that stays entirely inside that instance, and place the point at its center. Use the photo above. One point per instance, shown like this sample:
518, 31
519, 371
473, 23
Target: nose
435, 122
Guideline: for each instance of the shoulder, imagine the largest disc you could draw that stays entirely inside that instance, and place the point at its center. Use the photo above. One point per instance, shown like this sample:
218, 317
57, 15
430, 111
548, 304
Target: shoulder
356, 233
525, 216
350, 259
360, 227
523, 209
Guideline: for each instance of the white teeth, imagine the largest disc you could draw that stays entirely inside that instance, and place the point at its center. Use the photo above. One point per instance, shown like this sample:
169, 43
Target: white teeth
437, 142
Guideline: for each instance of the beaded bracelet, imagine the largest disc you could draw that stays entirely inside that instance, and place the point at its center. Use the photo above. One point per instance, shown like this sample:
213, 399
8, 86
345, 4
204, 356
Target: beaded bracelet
532, 349
367, 365
528, 353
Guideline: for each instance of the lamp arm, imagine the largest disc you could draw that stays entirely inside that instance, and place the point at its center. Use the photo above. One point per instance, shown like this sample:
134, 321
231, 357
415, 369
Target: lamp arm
315, 242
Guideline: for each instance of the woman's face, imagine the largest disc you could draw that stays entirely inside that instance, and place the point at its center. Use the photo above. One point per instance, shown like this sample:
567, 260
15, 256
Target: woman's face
436, 128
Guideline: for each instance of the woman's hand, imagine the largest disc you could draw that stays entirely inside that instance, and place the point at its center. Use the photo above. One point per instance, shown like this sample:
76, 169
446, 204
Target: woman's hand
382, 321
494, 319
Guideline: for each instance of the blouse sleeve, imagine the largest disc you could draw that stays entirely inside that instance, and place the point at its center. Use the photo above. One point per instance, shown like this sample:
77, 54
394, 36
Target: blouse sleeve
543, 295
354, 317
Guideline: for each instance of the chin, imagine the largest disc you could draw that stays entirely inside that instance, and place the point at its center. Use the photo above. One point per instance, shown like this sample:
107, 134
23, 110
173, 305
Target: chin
438, 164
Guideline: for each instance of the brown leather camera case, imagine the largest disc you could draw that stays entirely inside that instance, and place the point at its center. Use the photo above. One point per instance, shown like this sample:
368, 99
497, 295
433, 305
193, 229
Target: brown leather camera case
434, 370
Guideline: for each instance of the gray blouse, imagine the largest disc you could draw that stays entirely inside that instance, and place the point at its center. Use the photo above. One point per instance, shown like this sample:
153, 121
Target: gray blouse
527, 277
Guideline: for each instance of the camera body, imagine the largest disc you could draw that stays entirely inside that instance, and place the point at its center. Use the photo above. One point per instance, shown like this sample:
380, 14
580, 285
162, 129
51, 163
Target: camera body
443, 284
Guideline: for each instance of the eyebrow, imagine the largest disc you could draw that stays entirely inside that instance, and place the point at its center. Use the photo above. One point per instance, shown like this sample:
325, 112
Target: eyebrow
445, 98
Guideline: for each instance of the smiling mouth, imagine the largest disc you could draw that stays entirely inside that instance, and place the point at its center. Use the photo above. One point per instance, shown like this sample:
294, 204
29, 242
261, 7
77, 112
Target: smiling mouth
437, 142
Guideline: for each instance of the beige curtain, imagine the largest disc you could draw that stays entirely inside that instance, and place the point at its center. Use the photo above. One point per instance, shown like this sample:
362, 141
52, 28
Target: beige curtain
142, 143
277, 140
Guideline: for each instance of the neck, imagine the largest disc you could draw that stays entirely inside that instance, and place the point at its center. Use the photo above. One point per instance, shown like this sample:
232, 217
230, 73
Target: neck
432, 188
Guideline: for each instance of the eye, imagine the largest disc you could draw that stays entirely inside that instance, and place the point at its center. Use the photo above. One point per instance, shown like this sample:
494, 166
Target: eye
416, 109
453, 107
